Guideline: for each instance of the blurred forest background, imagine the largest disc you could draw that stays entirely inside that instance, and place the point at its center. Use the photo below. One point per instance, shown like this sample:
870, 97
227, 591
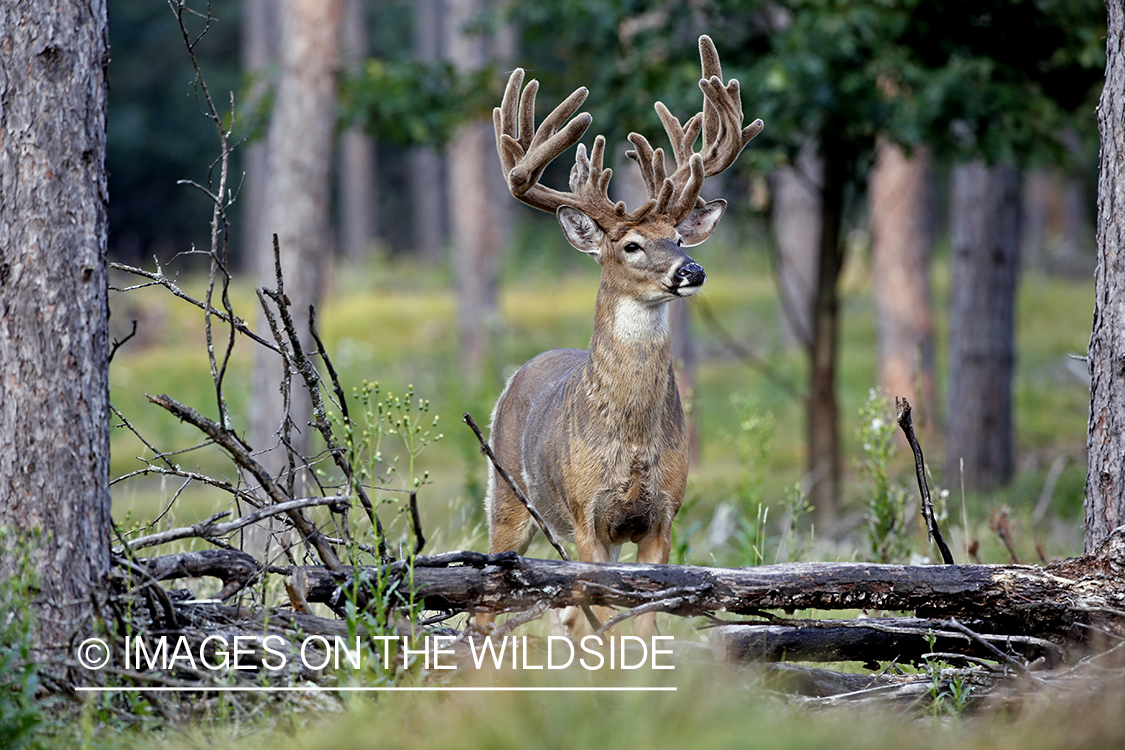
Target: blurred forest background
917, 217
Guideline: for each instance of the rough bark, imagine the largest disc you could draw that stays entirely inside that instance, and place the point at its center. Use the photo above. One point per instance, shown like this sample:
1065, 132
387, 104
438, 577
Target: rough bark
1105, 472
299, 147
54, 311
984, 224
900, 249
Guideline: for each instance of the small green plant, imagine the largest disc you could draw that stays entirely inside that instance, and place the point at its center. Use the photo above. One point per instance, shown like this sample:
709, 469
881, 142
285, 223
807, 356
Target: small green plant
752, 441
949, 696
796, 507
20, 714
887, 515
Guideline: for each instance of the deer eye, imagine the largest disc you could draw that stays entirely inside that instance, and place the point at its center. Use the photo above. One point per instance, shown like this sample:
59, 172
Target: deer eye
632, 247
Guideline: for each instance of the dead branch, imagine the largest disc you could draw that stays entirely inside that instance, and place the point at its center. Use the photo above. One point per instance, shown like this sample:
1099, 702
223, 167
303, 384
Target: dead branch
207, 528
1054, 603
240, 452
907, 425
535, 515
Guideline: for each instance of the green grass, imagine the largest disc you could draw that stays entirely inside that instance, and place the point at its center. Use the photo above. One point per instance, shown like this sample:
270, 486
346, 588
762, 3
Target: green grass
396, 323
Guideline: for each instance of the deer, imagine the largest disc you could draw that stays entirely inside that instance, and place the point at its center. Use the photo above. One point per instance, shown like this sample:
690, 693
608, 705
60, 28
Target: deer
596, 438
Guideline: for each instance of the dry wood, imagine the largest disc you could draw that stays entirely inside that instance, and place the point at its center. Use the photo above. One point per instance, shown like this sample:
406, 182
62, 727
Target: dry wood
1060, 602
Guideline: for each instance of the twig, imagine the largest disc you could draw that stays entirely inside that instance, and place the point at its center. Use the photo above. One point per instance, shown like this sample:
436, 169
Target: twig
158, 278
1015, 664
416, 521
118, 344
903, 408
240, 452
312, 381
208, 528
535, 515
660, 605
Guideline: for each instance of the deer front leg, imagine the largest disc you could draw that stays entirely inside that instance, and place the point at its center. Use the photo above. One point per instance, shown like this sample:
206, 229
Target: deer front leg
590, 549
653, 549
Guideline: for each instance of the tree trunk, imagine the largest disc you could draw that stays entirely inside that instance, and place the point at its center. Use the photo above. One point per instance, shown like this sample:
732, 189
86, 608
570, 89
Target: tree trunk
54, 310
900, 250
795, 216
1105, 445
984, 225
299, 148
822, 416
357, 154
427, 172
477, 214
259, 43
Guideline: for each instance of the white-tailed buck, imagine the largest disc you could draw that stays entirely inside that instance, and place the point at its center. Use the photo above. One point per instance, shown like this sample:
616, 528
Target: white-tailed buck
596, 438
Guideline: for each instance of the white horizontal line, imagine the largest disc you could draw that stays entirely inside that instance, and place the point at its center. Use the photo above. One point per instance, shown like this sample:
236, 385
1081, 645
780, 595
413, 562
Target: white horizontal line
348, 689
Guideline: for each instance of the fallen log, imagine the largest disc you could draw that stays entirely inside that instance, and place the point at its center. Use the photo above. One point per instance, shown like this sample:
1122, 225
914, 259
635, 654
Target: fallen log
1063, 601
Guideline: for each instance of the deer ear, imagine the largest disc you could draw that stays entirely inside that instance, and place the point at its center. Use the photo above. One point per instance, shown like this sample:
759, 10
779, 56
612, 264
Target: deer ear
701, 222
581, 231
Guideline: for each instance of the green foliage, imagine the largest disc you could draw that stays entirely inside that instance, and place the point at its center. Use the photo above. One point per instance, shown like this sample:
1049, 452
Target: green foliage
997, 79
410, 103
20, 714
752, 441
887, 516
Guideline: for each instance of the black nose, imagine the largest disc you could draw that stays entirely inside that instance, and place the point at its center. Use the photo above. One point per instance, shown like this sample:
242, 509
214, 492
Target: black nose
692, 274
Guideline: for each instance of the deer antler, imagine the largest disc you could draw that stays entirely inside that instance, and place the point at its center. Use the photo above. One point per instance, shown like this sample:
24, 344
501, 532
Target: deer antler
723, 140
526, 151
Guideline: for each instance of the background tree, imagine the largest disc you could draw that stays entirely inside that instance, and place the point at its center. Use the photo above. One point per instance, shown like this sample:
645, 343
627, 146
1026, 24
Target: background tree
1105, 474
478, 199
899, 198
54, 312
985, 235
299, 149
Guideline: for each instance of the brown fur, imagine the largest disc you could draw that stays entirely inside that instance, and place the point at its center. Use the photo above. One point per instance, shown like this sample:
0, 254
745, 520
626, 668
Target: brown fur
596, 438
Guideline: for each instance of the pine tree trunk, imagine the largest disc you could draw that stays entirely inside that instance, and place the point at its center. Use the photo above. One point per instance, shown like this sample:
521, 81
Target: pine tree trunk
477, 204
299, 148
1105, 472
900, 250
984, 225
259, 42
427, 170
54, 310
796, 229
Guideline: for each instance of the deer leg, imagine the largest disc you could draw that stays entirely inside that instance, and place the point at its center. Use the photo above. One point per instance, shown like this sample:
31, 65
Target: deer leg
653, 549
510, 529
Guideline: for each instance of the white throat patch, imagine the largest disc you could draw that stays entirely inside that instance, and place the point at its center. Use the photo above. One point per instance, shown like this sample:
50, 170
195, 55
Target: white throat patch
637, 322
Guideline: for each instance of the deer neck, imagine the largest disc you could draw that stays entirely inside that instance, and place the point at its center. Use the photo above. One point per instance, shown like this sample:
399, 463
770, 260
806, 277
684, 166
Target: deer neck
628, 374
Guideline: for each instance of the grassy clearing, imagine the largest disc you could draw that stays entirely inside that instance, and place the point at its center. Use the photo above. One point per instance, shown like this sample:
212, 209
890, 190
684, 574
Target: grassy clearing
396, 324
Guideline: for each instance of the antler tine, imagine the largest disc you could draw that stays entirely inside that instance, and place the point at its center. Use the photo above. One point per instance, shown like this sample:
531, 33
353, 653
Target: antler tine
525, 151
723, 135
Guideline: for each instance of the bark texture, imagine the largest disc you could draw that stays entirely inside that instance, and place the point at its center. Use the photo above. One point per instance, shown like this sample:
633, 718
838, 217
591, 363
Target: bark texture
900, 251
54, 312
984, 224
1105, 473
